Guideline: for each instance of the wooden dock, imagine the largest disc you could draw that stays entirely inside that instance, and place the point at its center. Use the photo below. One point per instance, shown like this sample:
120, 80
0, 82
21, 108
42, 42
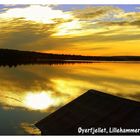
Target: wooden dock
92, 109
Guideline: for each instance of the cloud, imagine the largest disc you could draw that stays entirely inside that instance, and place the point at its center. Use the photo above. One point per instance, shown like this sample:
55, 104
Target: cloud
129, 15
37, 13
19, 33
43, 28
6, 7
138, 8
30, 128
99, 12
28, 30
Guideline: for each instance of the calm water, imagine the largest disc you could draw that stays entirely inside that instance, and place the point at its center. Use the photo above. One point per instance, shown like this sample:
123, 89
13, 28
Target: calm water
29, 93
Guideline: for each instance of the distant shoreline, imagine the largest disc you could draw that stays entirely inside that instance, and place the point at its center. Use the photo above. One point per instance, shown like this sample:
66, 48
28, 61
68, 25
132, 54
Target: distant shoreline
16, 57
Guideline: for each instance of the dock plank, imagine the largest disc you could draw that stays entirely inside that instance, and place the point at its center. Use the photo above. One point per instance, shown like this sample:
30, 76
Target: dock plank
92, 109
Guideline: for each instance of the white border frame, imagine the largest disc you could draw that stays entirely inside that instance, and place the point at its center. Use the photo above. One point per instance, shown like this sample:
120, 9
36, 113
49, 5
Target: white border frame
69, 1
103, 2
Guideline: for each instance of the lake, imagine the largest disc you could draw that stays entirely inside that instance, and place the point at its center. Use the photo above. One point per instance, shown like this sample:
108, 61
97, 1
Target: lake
28, 93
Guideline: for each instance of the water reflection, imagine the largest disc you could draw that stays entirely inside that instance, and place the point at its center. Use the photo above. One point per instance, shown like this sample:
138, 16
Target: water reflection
29, 93
40, 100
49, 62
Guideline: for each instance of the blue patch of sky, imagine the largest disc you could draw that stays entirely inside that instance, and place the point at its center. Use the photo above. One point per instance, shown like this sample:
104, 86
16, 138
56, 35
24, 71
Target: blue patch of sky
69, 7
4, 7
125, 7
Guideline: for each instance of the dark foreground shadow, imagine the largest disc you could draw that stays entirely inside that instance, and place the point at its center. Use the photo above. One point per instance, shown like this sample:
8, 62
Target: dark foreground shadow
94, 113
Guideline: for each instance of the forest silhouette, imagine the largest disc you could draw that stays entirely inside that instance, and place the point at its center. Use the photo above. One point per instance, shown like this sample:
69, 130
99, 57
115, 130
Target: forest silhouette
16, 57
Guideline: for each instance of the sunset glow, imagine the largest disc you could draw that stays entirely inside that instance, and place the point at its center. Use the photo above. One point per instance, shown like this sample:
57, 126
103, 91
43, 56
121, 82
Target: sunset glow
53, 55
86, 30
38, 101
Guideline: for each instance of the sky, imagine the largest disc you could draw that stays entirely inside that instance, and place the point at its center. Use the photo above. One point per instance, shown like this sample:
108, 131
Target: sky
106, 30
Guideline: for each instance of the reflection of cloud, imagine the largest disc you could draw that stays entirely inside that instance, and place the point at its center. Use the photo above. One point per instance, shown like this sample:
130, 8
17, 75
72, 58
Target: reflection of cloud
30, 128
39, 101
135, 96
23, 79
63, 82
12, 118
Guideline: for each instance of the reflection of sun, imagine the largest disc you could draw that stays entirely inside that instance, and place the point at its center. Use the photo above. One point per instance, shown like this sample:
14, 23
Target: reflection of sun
38, 100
